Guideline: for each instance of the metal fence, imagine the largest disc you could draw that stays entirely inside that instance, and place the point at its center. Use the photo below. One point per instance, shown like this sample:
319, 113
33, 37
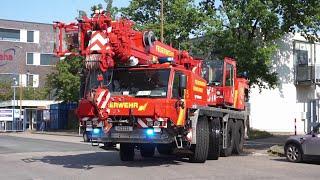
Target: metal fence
8, 126
59, 116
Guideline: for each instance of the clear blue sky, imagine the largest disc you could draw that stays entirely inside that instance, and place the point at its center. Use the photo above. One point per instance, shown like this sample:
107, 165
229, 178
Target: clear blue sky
47, 11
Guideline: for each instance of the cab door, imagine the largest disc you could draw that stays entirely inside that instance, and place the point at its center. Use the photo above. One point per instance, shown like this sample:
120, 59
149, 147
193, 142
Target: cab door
228, 82
176, 111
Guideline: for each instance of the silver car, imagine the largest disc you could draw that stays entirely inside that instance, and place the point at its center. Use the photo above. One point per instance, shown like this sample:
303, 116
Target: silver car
299, 148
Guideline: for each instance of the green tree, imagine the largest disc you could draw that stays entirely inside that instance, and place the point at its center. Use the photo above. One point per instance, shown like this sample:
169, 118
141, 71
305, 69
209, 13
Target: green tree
65, 81
248, 31
300, 16
181, 19
6, 92
28, 93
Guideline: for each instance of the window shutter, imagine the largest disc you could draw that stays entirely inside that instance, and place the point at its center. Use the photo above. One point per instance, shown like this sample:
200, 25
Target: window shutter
23, 35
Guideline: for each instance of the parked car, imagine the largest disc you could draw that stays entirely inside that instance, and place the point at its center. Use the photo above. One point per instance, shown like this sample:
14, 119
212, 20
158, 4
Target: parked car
299, 148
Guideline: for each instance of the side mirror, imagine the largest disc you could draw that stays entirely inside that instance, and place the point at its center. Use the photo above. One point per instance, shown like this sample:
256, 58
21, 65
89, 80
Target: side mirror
182, 81
182, 84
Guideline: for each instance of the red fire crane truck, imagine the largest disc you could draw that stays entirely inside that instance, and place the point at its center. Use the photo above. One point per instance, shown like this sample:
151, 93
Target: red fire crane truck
144, 94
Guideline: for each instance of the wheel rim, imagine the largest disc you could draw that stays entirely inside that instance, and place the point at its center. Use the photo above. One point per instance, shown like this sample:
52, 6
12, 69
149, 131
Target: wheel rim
292, 153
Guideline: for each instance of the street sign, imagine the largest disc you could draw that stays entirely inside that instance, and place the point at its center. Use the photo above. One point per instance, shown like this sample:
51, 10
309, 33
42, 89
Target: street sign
6, 114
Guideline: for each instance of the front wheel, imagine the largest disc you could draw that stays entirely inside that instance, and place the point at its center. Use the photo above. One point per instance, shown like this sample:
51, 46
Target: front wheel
293, 153
200, 150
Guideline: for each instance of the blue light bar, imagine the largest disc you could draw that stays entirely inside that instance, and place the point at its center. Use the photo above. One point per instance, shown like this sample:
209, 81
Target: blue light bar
96, 131
150, 132
165, 60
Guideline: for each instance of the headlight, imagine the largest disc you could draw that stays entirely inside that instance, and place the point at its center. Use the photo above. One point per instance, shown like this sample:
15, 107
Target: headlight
218, 93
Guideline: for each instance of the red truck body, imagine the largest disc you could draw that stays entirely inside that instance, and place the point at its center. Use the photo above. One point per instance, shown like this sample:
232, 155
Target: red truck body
137, 86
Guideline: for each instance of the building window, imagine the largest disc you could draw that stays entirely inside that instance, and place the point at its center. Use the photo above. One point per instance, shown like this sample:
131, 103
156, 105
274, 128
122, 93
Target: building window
9, 34
30, 80
302, 52
30, 36
229, 75
302, 57
30, 59
48, 59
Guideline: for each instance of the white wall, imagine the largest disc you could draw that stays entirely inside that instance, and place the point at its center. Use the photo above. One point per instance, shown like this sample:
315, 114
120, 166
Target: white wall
275, 110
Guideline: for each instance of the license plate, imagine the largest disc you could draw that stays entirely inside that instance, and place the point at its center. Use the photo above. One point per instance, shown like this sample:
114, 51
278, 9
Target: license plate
89, 129
124, 128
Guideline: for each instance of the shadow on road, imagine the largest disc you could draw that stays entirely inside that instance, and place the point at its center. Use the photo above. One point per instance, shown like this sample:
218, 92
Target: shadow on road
310, 161
88, 160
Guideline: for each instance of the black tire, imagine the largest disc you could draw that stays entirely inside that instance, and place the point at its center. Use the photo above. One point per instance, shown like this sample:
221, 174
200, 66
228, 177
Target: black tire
126, 152
85, 137
165, 149
238, 137
293, 153
230, 139
147, 150
214, 144
202, 136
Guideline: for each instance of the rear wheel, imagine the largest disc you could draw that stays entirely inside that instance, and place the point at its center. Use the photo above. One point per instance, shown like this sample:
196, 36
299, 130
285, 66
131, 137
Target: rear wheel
239, 137
214, 144
126, 152
147, 150
293, 153
202, 145
230, 139
165, 149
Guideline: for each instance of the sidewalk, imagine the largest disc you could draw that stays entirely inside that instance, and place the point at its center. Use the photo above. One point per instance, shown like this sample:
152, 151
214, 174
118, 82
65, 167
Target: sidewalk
59, 133
50, 136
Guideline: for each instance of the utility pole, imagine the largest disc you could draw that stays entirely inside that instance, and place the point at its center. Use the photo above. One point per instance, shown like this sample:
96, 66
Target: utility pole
14, 104
20, 97
20, 92
161, 16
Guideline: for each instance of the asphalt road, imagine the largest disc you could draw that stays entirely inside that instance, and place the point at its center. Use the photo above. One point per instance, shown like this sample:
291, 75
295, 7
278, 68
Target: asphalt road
25, 158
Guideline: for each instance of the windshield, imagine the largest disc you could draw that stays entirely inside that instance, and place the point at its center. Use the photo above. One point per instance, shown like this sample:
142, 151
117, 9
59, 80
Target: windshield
213, 72
138, 83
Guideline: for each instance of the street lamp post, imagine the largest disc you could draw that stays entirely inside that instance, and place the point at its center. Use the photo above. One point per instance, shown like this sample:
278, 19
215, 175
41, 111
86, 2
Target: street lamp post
14, 104
20, 93
27, 85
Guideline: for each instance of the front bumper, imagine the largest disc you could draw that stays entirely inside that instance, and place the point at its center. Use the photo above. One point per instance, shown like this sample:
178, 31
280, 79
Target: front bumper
136, 136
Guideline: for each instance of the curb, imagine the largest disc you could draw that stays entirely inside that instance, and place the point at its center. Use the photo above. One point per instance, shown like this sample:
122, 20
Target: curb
57, 134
